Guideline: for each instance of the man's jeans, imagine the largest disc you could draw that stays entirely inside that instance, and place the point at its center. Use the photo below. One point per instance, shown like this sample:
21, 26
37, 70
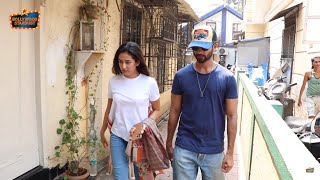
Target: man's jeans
186, 163
119, 158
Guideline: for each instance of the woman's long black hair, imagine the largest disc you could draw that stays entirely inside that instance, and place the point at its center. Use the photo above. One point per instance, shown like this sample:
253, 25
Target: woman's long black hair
134, 50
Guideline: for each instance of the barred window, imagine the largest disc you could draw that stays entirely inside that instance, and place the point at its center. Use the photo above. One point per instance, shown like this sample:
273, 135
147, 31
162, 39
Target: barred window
131, 26
236, 31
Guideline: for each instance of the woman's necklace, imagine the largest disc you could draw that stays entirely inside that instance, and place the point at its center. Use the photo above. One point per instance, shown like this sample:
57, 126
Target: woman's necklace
205, 86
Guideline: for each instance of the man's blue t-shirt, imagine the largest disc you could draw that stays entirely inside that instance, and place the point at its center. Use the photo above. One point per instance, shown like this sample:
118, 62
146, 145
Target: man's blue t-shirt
202, 119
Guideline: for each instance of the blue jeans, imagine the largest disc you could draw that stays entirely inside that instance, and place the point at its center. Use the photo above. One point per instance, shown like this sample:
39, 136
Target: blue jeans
186, 163
119, 158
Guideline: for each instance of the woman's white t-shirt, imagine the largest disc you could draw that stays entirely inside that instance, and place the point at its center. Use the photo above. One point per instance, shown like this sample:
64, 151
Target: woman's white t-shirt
130, 102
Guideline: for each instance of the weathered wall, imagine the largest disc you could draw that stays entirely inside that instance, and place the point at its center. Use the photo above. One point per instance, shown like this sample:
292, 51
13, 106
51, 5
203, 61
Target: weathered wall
58, 17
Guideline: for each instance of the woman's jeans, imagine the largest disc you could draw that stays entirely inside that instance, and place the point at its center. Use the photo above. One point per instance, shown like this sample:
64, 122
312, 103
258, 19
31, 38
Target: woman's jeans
119, 158
186, 163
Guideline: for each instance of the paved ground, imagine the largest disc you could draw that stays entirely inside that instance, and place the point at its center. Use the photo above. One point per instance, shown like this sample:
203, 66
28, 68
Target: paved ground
232, 175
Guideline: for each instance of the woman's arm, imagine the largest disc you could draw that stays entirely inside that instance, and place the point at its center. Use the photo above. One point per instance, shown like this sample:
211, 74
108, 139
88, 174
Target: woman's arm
155, 109
106, 124
303, 86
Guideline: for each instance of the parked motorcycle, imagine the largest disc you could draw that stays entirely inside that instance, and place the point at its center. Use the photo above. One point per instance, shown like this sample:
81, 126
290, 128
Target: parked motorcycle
309, 134
307, 131
276, 89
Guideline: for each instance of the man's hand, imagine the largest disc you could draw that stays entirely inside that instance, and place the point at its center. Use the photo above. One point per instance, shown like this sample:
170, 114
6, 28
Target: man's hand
227, 163
169, 149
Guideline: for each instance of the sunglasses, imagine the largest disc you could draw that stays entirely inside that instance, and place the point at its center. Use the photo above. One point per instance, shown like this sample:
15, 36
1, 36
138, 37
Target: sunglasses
197, 48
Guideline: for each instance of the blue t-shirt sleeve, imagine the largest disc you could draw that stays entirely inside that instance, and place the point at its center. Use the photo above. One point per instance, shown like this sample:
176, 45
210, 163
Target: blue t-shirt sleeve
232, 88
176, 88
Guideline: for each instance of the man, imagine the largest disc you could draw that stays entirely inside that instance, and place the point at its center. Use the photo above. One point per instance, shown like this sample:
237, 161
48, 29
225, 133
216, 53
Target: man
203, 94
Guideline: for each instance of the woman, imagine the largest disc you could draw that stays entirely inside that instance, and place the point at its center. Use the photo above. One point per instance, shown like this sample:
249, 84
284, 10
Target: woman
130, 93
313, 89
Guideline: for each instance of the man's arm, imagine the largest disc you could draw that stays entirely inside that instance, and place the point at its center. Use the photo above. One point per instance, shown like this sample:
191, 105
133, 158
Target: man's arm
175, 110
232, 116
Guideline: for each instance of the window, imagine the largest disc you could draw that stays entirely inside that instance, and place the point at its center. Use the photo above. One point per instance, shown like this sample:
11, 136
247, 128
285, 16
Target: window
236, 31
131, 25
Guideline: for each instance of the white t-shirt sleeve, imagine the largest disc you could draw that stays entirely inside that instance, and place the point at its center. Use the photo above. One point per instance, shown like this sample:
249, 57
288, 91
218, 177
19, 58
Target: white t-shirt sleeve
154, 90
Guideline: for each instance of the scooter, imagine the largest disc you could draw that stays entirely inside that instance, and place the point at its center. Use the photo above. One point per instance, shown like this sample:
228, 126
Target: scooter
271, 84
276, 89
307, 131
309, 134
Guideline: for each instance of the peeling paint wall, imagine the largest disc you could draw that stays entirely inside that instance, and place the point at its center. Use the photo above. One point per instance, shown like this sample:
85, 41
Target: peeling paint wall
58, 17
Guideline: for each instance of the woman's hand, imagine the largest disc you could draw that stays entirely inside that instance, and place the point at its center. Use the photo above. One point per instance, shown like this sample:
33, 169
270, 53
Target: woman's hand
136, 131
140, 127
109, 126
104, 140
299, 102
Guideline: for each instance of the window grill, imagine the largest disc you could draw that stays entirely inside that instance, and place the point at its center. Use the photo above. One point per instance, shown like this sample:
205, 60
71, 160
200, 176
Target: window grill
153, 24
131, 24
184, 37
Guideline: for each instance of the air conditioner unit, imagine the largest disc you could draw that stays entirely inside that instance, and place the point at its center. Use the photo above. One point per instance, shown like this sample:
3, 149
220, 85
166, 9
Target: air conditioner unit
223, 51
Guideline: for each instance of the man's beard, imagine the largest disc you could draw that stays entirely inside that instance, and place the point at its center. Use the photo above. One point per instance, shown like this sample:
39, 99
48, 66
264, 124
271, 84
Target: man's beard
203, 58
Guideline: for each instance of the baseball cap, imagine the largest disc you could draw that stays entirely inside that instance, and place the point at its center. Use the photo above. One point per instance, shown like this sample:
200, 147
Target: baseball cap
203, 36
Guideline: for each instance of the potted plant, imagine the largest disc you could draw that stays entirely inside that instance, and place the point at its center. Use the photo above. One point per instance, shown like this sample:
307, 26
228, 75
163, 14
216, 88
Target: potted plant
73, 145
77, 146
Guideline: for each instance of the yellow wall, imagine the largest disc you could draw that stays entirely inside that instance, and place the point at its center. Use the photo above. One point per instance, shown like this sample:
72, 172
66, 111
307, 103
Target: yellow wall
254, 31
255, 11
58, 17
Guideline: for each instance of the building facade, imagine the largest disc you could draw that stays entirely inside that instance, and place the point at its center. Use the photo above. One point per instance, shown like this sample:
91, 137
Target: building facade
291, 25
